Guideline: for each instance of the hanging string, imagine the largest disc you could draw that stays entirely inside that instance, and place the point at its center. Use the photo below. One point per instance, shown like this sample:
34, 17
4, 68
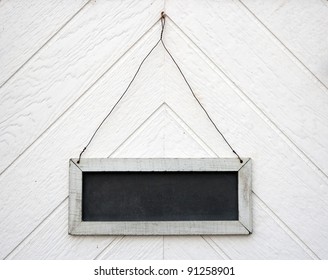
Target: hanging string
191, 90
162, 19
118, 101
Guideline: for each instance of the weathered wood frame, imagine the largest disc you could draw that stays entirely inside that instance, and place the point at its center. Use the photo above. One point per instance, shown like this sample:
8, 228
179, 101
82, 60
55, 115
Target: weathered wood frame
79, 227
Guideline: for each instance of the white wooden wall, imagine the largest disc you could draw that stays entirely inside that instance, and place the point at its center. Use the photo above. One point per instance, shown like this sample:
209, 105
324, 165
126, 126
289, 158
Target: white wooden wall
259, 67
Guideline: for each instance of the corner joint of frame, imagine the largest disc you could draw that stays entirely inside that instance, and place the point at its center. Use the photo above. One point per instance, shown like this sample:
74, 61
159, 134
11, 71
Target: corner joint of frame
246, 161
248, 228
72, 162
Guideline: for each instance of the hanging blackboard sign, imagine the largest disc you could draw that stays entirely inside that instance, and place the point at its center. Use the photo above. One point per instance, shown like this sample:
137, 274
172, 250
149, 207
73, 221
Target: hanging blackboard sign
159, 196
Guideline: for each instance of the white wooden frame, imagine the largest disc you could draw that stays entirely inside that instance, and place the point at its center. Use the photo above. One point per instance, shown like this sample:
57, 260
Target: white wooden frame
79, 227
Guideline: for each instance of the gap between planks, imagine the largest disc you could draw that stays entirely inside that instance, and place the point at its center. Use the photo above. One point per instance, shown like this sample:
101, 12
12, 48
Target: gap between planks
110, 245
179, 122
215, 247
44, 44
285, 227
21, 243
282, 46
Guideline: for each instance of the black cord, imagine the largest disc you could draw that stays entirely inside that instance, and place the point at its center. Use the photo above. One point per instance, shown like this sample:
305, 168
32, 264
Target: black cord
184, 77
162, 19
135, 75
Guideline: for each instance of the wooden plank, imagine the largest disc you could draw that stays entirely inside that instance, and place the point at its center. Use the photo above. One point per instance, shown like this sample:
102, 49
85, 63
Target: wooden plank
51, 241
188, 248
284, 181
135, 248
269, 78
160, 228
161, 164
75, 196
299, 26
63, 70
27, 26
244, 195
39, 180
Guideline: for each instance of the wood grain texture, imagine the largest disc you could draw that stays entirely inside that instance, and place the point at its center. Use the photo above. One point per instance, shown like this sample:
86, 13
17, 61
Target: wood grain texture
251, 85
301, 27
188, 248
289, 98
135, 248
159, 228
26, 26
245, 195
280, 177
63, 70
74, 196
38, 191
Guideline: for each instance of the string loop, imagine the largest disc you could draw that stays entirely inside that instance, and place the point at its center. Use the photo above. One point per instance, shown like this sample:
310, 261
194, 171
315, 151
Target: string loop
162, 20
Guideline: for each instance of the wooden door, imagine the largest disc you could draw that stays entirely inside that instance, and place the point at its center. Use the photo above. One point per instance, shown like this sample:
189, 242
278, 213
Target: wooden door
259, 69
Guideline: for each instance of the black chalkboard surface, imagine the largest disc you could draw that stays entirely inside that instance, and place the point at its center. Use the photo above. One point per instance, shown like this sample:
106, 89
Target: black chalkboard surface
160, 196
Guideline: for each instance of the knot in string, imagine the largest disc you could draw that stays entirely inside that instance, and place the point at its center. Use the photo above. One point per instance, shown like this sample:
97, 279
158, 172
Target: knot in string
163, 15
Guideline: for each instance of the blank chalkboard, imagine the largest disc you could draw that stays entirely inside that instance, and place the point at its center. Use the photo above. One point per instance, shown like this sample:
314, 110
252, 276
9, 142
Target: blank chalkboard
160, 196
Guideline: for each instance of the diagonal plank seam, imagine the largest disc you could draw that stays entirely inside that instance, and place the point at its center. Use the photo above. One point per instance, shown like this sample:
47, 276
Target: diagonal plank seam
216, 247
44, 44
178, 120
191, 132
109, 246
285, 227
275, 38
134, 132
35, 229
